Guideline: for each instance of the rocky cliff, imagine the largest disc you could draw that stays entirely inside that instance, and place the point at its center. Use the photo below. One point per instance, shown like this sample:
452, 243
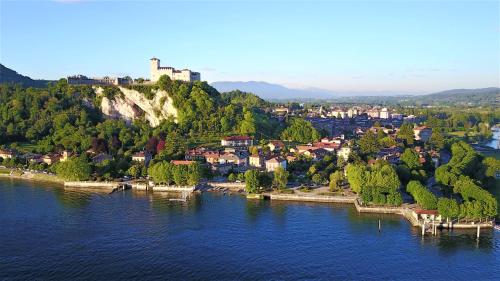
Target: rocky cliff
133, 104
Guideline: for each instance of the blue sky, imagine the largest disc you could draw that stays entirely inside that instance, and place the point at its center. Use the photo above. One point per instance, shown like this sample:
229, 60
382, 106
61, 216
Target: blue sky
356, 46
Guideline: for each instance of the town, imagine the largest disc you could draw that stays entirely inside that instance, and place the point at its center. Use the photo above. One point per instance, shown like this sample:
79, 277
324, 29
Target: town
407, 160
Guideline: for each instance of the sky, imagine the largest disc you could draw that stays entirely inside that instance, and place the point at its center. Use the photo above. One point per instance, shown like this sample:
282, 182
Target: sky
356, 46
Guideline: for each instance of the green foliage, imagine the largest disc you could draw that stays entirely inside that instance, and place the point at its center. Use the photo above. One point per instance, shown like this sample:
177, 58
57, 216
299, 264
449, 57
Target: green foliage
411, 159
448, 208
422, 196
483, 204
369, 143
356, 176
252, 181
74, 169
167, 173
406, 133
437, 140
300, 130
280, 179
336, 180
379, 185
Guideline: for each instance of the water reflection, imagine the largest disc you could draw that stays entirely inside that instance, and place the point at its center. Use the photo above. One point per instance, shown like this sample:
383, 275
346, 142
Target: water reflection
72, 198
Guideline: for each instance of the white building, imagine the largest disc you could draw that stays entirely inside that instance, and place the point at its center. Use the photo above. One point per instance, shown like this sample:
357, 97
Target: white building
344, 152
184, 75
274, 163
384, 114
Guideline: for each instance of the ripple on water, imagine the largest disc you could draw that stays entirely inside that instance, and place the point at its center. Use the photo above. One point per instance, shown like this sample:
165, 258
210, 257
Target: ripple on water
51, 233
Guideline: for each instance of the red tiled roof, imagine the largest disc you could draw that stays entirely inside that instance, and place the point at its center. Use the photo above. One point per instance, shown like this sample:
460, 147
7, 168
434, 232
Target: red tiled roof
182, 162
426, 212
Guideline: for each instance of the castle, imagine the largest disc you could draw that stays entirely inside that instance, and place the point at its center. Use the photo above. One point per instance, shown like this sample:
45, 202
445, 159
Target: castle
185, 75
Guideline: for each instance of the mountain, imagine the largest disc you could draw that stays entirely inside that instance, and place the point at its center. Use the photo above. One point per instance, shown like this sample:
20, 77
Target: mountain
482, 96
8, 75
275, 92
270, 91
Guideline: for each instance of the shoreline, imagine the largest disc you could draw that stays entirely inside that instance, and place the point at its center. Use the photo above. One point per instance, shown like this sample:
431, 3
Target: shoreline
407, 211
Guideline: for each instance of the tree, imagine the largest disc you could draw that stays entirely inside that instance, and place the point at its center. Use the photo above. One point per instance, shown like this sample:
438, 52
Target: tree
248, 125
422, 196
300, 130
436, 140
231, 177
280, 179
369, 143
406, 133
74, 169
336, 180
448, 208
356, 176
411, 159
318, 178
252, 181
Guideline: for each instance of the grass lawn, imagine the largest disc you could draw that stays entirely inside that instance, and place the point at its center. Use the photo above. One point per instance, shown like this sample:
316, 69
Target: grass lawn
25, 147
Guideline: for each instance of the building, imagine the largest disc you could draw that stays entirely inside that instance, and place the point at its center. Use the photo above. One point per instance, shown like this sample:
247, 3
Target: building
212, 157
106, 80
182, 162
65, 155
384, 114
344, 152
184, 75
256, 161
237, 141
141, 156
275, 162
422, 133
276, 145
233, 158
50, 158
7, 153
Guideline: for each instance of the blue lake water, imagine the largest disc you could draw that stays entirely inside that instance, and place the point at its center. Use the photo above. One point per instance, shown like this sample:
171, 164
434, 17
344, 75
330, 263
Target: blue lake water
50, 233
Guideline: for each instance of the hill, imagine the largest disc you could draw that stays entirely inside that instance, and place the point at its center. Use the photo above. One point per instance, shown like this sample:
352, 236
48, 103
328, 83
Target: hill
482, 96
8, 75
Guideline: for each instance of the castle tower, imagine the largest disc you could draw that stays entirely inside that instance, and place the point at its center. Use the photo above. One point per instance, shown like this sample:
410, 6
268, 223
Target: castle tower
154, 66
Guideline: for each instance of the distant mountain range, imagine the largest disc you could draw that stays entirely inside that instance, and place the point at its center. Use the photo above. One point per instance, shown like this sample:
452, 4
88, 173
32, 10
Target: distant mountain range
275, 92
8, 75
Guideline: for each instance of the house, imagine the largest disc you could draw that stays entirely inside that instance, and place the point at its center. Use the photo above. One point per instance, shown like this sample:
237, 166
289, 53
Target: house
330, 147
344, 152
182, 162
256, 161
422, 133
211, 157
141, 156
195, 153
50, 158
101, 157
7, 153
276, 145
237, 141
275, 162
65, 155
233, 158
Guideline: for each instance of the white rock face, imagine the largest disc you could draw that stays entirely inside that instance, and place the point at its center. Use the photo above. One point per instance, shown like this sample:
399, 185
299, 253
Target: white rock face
125, 107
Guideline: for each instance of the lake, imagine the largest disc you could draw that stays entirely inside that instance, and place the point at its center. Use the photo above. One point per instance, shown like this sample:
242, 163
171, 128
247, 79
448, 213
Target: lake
47, 232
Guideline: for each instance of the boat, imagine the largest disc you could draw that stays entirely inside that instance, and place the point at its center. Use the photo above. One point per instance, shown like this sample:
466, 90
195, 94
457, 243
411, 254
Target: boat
497, 227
